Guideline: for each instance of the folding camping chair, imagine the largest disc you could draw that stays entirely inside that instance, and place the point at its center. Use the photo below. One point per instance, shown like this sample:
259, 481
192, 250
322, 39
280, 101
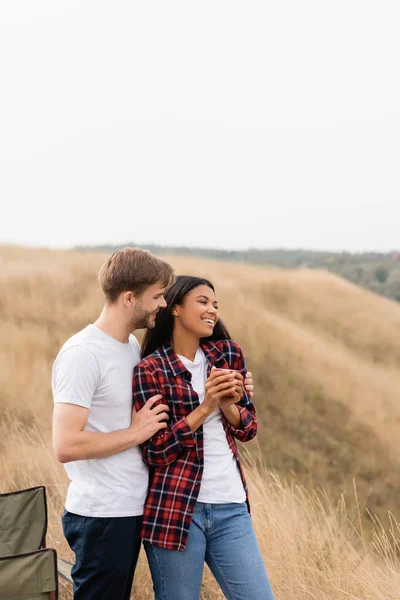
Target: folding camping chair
23, 521
29, 576
23, 528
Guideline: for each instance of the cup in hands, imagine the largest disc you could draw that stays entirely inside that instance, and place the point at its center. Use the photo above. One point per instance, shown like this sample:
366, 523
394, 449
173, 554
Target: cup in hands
235, 393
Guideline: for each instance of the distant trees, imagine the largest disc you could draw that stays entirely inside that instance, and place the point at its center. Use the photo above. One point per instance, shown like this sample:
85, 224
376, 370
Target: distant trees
377, 272
381, 273
393, 285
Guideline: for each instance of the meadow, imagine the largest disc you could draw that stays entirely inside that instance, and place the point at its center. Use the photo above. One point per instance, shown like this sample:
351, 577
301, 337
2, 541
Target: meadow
324, 472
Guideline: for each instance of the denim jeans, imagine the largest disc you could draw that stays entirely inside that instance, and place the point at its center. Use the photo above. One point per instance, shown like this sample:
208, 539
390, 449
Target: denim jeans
221, 535
106, 553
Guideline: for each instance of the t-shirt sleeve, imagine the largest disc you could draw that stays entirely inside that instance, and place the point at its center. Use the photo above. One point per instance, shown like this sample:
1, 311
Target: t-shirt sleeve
75, 377
136, 346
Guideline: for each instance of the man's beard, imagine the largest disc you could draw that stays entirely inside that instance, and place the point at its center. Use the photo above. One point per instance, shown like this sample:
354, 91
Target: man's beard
142, 320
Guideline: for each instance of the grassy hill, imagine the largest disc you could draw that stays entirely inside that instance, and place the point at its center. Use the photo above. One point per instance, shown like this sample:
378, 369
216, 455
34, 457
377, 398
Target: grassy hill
378, 272
325, 355
326, 358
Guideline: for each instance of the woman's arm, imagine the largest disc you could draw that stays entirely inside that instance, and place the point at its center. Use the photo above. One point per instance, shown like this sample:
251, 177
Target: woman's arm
240, 417
166, 445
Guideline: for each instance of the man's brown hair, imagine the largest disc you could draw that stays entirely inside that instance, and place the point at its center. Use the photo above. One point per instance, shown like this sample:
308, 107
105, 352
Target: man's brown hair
133, 269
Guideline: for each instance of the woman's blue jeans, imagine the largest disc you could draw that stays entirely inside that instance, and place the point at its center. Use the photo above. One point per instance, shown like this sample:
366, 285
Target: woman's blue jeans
221, 535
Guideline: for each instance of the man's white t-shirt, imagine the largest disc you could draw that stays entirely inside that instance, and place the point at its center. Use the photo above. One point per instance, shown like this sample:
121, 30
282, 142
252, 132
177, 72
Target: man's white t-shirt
94, 370
221, 482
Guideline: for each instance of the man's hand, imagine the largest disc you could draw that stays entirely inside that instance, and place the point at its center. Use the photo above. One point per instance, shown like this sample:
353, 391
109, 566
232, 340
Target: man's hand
148, 420
248, 384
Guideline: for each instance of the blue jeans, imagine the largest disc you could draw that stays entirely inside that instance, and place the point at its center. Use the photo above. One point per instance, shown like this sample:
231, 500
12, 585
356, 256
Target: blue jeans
106, 553
221, 535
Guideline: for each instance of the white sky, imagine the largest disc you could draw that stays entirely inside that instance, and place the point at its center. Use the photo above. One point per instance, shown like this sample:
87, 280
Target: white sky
214, 123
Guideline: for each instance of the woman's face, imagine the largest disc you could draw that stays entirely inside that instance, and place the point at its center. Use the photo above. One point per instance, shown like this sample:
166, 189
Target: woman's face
198, 312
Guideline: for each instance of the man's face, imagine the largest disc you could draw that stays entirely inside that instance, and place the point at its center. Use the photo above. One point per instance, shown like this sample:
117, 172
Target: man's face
147, 306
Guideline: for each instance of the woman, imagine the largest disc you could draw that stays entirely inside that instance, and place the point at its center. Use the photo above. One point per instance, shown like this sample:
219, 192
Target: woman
197, 508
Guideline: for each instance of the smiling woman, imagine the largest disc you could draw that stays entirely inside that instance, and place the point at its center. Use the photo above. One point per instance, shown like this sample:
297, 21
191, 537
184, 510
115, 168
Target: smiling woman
193, 300
197, 505
198, 314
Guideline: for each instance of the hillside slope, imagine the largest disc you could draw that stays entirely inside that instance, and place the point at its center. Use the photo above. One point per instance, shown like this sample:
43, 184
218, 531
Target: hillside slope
378, 272
325, 356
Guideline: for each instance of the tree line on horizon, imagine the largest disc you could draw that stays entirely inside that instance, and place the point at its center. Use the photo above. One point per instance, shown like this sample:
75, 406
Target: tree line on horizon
375, 271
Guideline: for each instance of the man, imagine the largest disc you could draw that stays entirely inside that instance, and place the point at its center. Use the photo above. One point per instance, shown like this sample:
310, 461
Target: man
95, 432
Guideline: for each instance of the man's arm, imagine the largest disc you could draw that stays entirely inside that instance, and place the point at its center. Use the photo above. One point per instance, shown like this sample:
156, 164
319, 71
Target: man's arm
75, 379
72, 442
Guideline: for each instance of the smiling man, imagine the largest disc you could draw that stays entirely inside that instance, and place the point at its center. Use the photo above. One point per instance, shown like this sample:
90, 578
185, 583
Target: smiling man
98, 435
95, 432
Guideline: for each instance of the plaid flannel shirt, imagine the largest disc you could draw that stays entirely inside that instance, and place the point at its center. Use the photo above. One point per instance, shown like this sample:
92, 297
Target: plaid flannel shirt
175, 454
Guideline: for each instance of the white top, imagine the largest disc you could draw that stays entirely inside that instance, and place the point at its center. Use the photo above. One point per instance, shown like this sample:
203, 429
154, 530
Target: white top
95, 370
221, 482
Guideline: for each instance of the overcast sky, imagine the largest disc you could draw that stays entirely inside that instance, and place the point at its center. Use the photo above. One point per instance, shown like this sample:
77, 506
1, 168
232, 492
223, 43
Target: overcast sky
214, 123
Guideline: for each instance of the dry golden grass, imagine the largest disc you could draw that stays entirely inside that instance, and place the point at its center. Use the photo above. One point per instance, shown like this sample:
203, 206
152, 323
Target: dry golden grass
325, 357
337, 335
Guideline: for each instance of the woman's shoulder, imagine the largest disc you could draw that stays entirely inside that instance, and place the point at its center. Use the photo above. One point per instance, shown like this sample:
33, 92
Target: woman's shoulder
229, 348
151, 361
227, 344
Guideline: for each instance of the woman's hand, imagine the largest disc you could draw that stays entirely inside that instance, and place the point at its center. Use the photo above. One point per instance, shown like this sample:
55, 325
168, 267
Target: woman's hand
235, 394
220, 383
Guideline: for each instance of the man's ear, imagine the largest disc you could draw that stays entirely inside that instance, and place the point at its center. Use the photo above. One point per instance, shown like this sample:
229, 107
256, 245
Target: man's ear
128, 299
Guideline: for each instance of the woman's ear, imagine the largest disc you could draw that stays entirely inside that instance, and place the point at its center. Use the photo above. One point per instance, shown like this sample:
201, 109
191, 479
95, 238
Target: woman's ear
175, 311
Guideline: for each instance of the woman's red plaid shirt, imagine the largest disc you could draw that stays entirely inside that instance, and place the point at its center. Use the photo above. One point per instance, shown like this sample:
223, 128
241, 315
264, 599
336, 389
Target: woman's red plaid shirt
175, 454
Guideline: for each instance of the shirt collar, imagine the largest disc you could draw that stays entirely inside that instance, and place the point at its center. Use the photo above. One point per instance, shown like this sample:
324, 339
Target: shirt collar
213, 354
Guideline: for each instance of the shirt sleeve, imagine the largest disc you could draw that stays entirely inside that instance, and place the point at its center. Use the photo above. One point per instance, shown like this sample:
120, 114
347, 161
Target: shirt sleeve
248, 422
75, 377
169, 443
136, 346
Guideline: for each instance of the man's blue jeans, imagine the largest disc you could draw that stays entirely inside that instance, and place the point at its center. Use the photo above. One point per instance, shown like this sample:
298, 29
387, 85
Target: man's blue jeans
106, 553
221, 535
